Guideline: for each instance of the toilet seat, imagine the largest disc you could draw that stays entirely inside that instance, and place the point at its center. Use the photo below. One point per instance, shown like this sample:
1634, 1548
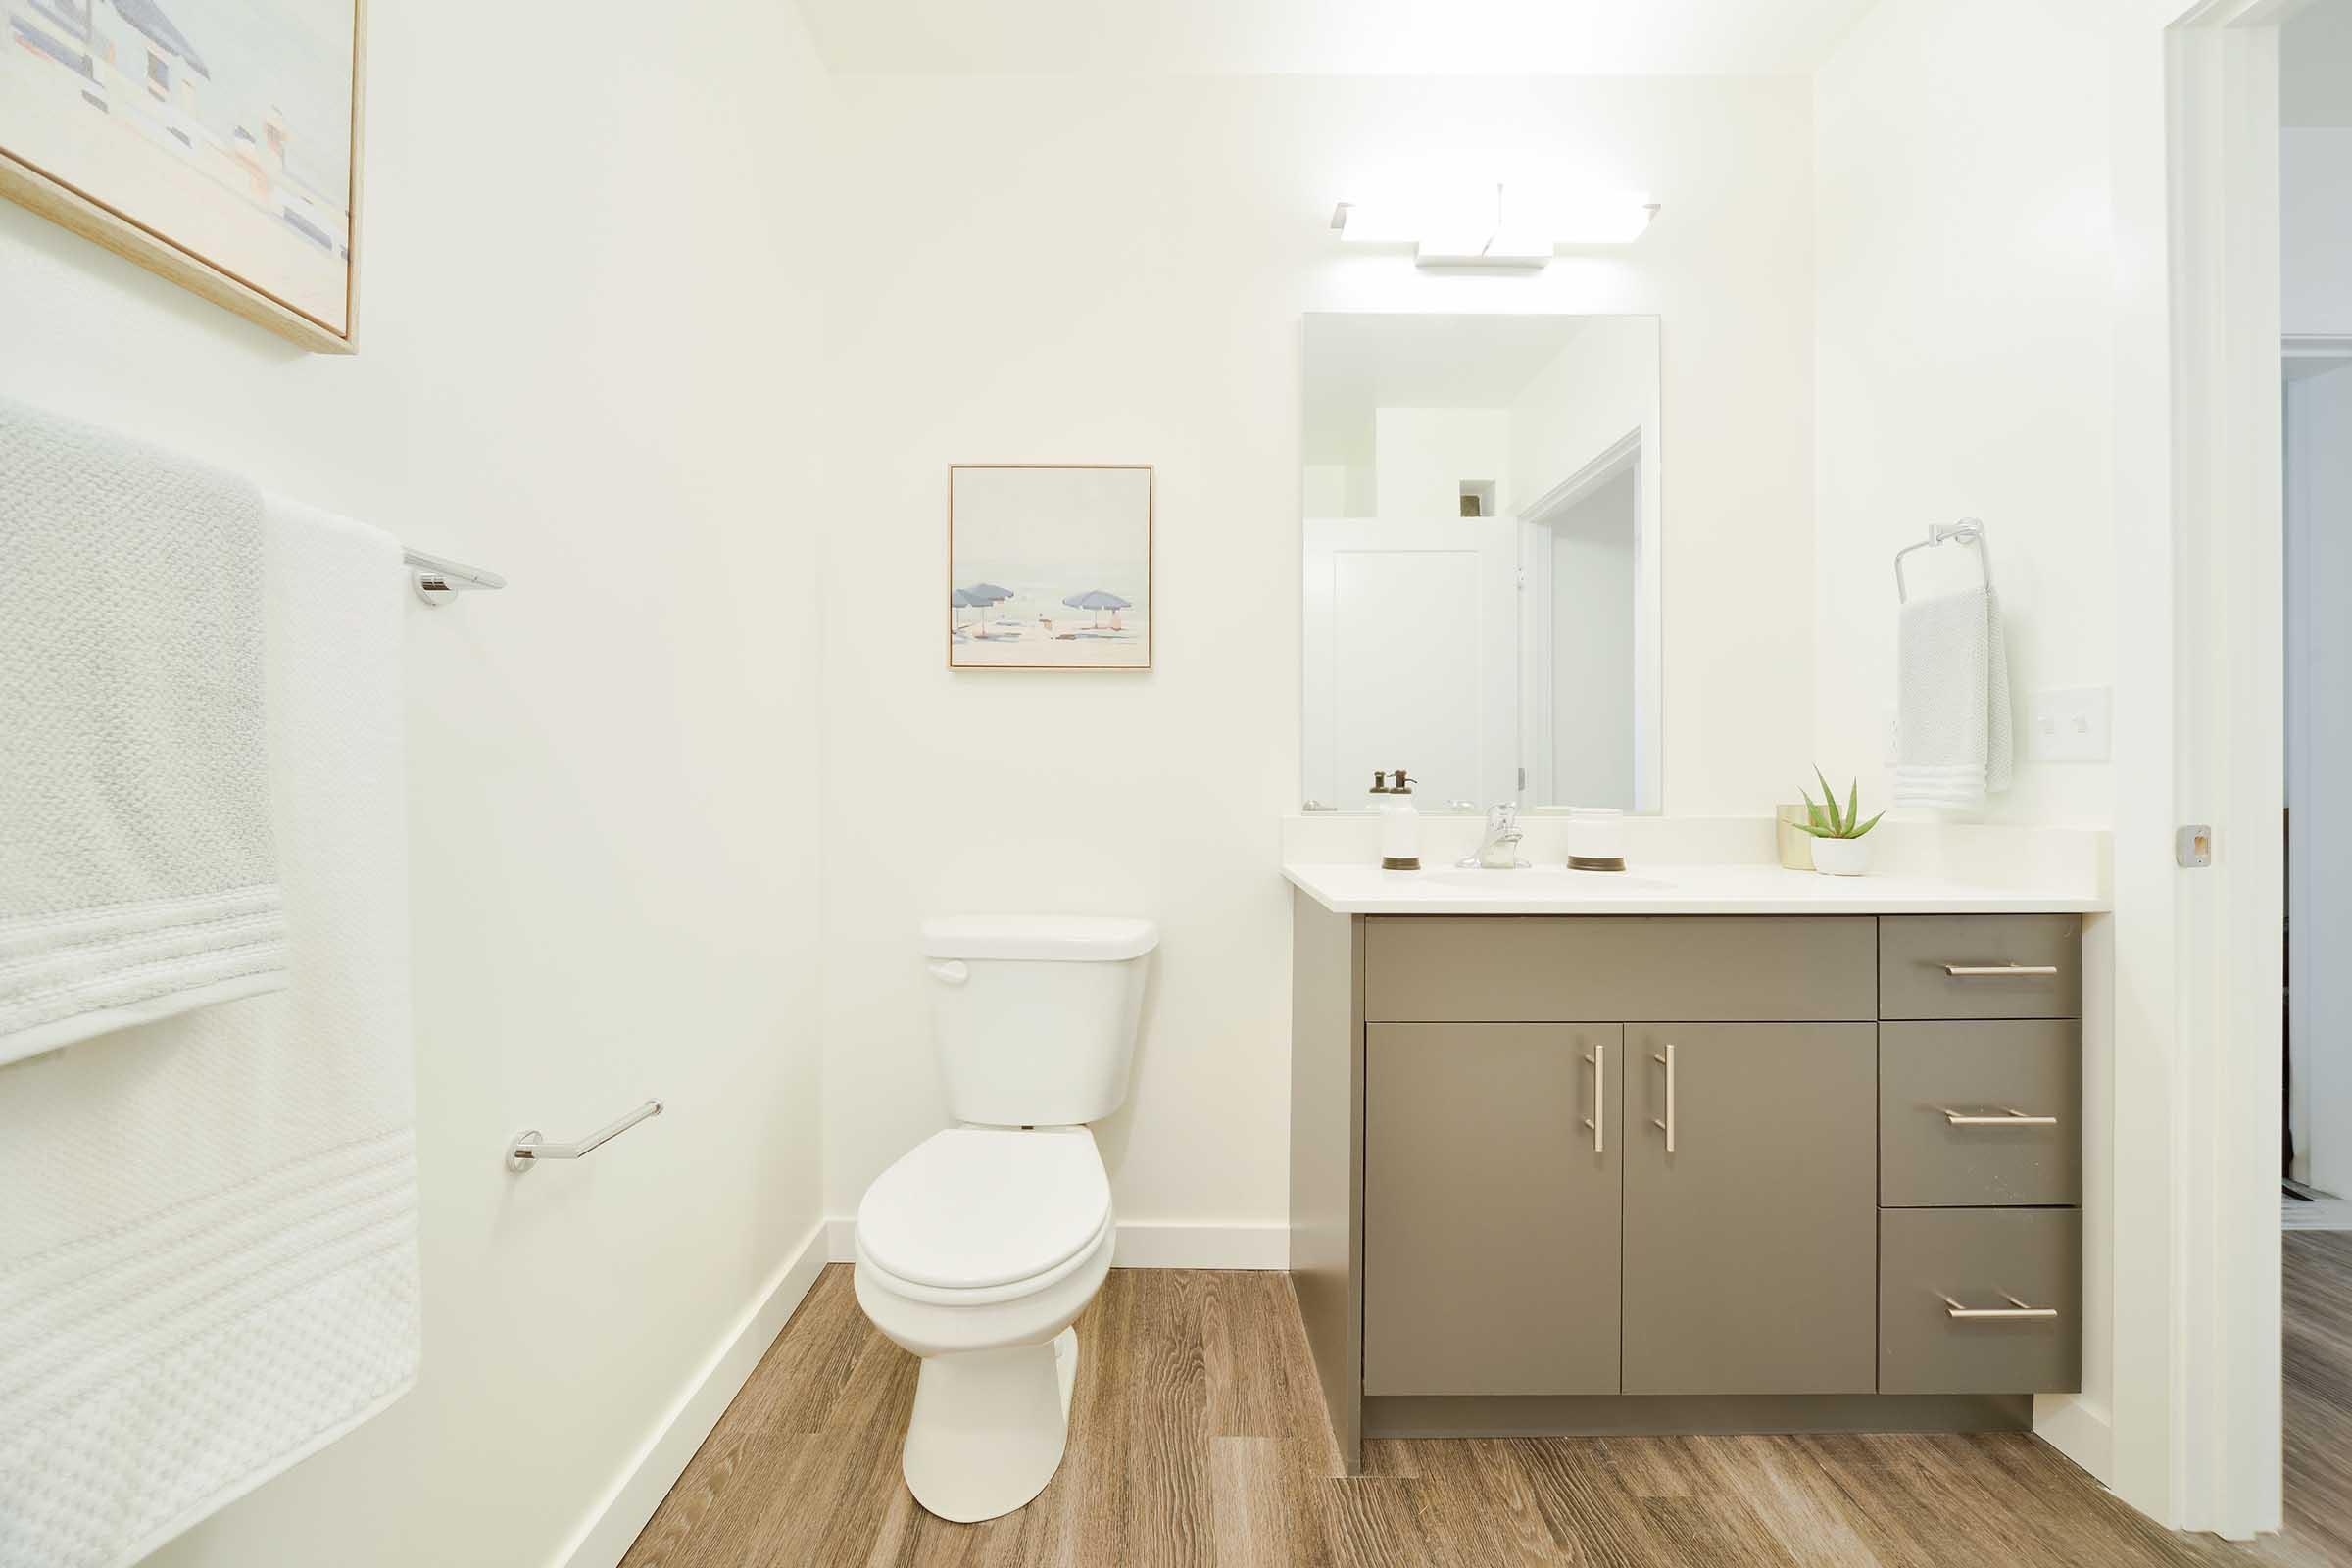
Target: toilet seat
980, 1214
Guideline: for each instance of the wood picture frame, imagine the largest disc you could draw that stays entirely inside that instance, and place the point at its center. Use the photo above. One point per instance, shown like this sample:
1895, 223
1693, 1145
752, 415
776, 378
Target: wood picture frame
75, 193
1049, 566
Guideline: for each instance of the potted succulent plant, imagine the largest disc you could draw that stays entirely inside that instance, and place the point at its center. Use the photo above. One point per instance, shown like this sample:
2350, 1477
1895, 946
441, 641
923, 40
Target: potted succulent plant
1839, 847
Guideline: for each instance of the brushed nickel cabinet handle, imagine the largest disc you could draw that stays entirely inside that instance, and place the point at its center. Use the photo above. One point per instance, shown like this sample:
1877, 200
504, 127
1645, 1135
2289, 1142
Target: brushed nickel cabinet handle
1599, 1058
1978, 971
1666, 1123
2015, 1309
2003, 1118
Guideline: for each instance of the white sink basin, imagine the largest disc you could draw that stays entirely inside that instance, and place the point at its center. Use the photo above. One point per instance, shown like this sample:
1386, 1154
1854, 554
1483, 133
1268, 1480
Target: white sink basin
1540, 881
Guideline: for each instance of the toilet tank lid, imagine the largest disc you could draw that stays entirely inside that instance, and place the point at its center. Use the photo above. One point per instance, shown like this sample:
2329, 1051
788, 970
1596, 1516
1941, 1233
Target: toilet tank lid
1063, 938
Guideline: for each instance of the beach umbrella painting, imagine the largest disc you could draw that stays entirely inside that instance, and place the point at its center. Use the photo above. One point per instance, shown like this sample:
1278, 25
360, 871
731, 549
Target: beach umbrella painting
957, 599
986, 593
1097, 600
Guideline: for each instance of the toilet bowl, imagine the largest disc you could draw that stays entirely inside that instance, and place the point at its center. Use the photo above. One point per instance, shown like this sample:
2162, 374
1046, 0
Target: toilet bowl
980, 1247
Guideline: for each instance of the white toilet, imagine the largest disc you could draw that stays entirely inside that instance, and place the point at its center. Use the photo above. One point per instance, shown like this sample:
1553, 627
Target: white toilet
979, 1249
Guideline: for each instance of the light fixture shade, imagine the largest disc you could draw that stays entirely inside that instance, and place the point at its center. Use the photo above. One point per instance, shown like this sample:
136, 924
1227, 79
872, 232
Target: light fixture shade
1474, 226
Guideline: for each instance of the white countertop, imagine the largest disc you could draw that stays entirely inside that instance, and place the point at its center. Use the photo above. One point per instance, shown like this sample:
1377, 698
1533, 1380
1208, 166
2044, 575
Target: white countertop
1356, 889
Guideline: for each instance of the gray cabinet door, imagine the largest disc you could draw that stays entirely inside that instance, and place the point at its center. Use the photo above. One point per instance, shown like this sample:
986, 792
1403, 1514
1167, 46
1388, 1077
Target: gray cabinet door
1491, 1219
1751, 1249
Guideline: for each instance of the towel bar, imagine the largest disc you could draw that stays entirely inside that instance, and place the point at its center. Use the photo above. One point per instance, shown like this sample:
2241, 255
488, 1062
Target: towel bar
1967, 531
526, 1150
437, 577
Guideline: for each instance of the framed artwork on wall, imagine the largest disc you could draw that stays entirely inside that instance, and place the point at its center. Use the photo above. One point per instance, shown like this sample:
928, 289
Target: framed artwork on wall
1049, 566
213, 142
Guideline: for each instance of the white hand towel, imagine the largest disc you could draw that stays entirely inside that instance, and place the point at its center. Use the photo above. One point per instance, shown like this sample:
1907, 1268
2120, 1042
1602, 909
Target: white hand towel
1952, 702
208, 1255
137, 876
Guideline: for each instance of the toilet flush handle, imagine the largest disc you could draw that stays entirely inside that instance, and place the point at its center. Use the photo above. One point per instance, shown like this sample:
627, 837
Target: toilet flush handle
952, 972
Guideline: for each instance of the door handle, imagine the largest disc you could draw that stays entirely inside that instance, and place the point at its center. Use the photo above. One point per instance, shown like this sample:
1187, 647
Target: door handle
1599, 1059
2003, 1118
1666, 1123
1979, 971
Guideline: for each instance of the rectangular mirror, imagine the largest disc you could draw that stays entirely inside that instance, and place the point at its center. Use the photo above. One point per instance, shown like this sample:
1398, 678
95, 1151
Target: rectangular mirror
1482, 599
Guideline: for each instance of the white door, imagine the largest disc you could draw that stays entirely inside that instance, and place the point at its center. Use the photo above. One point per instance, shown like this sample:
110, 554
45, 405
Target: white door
2319, 773
1412, 632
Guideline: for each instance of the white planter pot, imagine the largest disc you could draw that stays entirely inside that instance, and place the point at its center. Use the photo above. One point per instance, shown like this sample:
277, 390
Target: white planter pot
1841, 856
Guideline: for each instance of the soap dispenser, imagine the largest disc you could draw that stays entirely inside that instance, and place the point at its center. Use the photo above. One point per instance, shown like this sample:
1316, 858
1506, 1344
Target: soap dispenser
1400, 826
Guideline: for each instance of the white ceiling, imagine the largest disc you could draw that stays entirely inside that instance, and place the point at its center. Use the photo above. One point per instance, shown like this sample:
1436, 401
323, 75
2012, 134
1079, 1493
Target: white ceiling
2315, 65
1330, 37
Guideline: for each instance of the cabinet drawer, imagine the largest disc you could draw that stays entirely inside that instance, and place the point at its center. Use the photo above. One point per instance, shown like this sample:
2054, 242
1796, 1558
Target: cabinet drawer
1981, 966
1699, 969
2009, 1260
1979, 1072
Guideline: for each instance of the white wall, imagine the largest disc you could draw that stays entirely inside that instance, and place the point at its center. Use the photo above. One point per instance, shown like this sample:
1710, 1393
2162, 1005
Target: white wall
1599, 388
606, 762
1964, 294
1420, 457
1336, 490
2315, 197
1115, 269
1968, 365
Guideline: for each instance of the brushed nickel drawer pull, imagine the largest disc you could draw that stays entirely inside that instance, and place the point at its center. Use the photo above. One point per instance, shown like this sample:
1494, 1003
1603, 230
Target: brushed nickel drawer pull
1598, 1057
2015, 1309
1978, 971
1665, 1124
2005, 1118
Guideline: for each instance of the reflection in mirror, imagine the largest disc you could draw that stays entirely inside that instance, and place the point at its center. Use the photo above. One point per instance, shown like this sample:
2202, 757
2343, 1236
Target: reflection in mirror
1481, 560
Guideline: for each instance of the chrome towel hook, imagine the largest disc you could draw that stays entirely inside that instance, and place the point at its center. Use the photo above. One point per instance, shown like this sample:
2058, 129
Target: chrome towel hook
525, 1149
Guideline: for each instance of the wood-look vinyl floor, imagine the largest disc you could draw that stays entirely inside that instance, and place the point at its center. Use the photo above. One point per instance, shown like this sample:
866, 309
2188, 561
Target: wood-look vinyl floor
1198, 1437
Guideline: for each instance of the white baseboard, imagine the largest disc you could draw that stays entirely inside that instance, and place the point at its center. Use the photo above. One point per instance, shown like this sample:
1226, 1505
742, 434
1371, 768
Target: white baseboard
1150, 1243
2082, 1432
612, 1525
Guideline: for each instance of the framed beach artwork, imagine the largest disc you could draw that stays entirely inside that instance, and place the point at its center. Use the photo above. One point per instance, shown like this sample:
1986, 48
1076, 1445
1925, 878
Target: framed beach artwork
1049, 566
215, 143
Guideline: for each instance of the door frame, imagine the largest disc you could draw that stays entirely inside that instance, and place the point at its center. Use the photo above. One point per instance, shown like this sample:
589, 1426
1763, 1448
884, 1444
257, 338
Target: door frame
1538, 750
1635, 452
2200, 724
2316, 355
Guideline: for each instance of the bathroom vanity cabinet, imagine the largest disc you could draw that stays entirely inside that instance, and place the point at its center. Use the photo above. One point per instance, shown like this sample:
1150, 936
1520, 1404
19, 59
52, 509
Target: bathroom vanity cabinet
1599, 1173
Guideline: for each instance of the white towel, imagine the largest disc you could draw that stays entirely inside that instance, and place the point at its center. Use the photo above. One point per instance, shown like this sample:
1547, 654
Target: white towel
208, 1255
138, 878
1955, 740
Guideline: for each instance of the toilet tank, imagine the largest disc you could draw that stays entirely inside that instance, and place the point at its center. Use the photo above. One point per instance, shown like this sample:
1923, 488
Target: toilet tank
1034, 1016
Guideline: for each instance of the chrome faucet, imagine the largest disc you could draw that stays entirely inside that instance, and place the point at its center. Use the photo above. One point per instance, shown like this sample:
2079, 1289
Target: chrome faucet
1498, 851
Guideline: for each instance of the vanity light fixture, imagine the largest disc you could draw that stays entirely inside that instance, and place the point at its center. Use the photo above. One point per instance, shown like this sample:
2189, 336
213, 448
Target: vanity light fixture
1475, 228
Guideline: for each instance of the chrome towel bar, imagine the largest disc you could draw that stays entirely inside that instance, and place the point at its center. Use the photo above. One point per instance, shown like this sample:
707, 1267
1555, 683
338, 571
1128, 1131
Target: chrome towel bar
526, 1150
437, 577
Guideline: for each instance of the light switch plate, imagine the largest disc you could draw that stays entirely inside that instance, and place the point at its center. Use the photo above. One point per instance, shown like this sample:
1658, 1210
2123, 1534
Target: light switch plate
2069, 724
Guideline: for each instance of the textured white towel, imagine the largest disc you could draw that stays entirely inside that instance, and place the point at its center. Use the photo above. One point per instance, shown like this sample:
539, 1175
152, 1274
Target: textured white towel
208, 1256
1952, 702
138, 878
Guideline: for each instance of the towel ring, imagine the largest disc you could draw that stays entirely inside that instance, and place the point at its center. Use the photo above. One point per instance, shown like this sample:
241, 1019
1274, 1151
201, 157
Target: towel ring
1967, 531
